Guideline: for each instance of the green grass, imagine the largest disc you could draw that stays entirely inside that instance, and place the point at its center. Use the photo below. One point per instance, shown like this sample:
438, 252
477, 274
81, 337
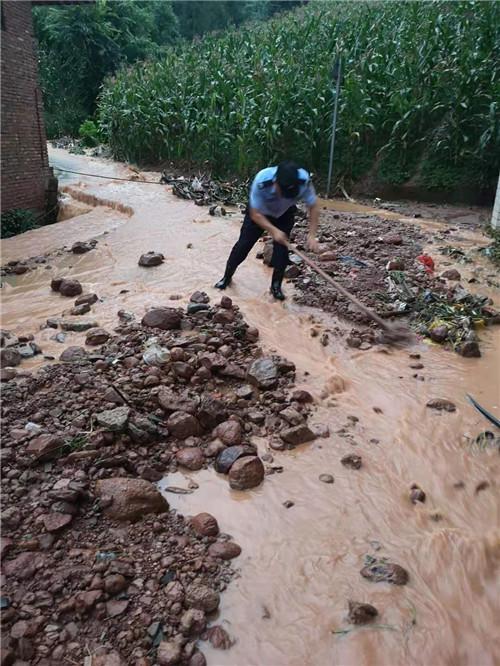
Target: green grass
421, 83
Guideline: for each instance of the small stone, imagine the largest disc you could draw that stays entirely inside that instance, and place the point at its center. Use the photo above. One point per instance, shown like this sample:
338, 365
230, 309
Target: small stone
193, 621
361, 613
73, 354
230, 433
416, 494
70, 288
116, 607
441, 404
193, 308
45, 447
115, 583
183, 425
396, 264
385, 572
78, 325
80, 310
288, 504
352, 461
225, 550
439, 333
226, 303
328, 255
205, 524
326, 478
392, 239
247, 472
6, 374
56, 283
151, 259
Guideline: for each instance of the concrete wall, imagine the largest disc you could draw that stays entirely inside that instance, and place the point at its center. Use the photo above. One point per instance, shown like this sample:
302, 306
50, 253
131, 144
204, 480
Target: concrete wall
25, 167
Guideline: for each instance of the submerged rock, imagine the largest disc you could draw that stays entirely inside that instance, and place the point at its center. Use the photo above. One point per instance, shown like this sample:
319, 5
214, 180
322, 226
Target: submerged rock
151, 259
441, 404
352, 461
247, 472
70, 288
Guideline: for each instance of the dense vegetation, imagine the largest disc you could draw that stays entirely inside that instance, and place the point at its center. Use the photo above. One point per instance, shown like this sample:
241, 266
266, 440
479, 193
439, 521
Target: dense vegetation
80, 45
419, 96
17, 221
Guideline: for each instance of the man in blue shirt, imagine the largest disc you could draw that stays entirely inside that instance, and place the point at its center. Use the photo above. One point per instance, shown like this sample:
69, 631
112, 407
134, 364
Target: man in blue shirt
273, 197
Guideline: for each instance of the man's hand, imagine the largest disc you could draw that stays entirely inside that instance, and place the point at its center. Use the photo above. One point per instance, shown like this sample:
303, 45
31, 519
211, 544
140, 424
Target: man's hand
279, 236
312, 243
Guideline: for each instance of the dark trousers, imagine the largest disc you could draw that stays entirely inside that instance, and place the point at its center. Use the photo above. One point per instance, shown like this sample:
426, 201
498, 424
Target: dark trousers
250, 234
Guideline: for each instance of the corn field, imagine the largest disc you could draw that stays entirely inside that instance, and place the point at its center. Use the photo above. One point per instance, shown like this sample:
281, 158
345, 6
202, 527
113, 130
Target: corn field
419, 98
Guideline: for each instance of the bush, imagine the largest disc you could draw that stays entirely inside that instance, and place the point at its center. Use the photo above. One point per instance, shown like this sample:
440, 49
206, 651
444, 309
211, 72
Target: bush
17, 221
89, 134
419, 79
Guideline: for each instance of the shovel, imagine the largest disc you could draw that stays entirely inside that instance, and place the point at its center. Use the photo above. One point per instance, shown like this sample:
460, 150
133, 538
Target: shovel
393, 334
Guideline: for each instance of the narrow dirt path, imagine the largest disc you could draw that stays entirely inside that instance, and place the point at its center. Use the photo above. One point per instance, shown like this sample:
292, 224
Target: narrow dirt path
300, 565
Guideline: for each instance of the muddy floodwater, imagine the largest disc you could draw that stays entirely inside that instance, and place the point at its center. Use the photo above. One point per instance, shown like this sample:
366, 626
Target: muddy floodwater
300, 565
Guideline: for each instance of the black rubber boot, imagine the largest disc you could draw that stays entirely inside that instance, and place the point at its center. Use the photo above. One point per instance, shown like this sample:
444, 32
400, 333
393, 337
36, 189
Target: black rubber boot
225, 281
276, 281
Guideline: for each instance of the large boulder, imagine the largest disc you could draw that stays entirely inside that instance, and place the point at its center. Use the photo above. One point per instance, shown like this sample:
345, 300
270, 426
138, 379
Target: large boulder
246, 472
165, 318
131, 498
70, 288
226, 458
202, 597
204, 524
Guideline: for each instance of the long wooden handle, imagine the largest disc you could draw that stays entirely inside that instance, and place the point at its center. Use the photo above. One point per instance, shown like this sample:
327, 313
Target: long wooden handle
341, 289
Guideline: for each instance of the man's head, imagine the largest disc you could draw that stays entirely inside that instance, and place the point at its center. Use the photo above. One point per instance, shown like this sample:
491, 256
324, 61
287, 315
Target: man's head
288, 179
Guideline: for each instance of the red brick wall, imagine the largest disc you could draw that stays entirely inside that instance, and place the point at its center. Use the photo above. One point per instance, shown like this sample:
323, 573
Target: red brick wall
25, 168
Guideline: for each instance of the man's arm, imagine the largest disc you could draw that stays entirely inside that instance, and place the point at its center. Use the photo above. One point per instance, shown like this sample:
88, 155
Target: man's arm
312, 241
262, 221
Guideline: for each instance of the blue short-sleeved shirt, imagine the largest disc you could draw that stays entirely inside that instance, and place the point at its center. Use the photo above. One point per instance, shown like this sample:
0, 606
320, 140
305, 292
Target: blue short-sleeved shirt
265, 198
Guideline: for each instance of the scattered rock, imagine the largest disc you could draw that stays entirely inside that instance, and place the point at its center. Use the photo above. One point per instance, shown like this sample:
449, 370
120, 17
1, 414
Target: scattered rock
442, 404
326, 478
10, 357
97, 336
225, 550
361, 613
54, 522
288, 504
263, 372
190, 457
392, 239
193, 308
131, 498
299, 434
386, 572
114, 420
219, 638
80, 247
163, 318
439, 333
202, 597
229, 456
205, 524
469, 349
78, 325
416, 494
79, 310
247, 472
230, 433
302, 396
328, 255
183, 425
199, 297
70, 288
352, 461
396, 264
451, 274
169, 653
73, 354
86, 299
56, 282
151, 259
226, 303
45, 447
6, 374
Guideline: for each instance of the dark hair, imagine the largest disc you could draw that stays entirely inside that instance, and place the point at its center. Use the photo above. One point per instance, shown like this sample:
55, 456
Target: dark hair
287, 177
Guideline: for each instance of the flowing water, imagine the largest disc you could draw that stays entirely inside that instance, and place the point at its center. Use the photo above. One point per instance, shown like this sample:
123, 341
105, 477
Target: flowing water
300, 566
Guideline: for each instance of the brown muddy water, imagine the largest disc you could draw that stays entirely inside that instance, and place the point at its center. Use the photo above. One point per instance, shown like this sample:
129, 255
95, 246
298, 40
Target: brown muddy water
300, 566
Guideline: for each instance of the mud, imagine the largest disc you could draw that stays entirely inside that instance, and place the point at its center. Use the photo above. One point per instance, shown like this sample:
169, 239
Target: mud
300, 566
